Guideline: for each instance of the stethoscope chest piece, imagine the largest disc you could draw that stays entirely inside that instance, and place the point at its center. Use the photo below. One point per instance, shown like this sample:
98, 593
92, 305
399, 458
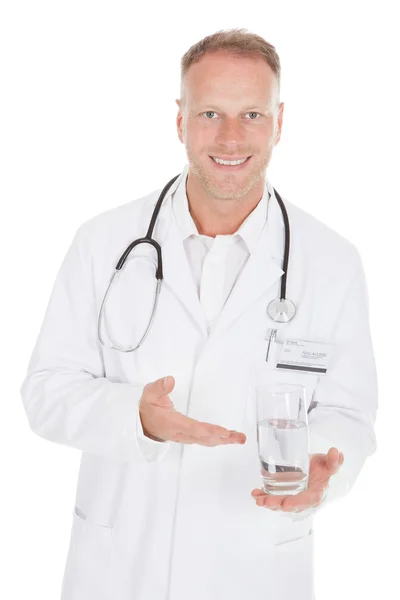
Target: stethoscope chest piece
281, 311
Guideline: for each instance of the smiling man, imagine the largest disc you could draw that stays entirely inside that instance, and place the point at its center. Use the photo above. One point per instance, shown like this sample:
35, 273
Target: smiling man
158, 392
229, 113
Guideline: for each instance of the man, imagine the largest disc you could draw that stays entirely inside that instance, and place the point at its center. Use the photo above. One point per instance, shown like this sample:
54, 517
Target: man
167, 502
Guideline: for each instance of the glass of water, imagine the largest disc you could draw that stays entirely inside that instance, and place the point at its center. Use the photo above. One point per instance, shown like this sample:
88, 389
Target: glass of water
283, 440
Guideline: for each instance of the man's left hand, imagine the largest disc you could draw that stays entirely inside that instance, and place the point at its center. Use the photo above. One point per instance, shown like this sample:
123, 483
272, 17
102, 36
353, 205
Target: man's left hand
322, 467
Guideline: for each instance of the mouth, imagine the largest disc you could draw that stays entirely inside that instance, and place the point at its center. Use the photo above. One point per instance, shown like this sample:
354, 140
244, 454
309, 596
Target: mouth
229, 168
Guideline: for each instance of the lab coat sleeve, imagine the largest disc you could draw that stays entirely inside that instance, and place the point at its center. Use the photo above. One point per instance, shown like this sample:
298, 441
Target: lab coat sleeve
346, 397
65, 393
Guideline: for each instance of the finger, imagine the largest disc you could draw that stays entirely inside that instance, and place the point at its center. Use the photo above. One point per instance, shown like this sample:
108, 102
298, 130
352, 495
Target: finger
216, 433
270, 504
238, 437
301, 502
184, 438
203, 430
198, 429
286, 503
256, 493
205, 434
211, 442
259, 493
267, 500
333, 460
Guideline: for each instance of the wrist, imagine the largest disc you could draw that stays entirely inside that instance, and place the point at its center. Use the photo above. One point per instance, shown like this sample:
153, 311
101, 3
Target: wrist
152, 437
147, 434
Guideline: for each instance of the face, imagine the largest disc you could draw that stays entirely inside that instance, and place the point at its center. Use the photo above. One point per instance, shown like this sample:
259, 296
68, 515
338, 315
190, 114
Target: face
230, 111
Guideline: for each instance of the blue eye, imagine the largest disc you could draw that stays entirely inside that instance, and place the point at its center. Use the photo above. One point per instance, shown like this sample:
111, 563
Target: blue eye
208, 112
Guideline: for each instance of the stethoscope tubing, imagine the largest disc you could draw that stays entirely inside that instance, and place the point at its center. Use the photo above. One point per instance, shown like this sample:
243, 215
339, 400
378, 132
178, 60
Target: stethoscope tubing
148, 239
286, 252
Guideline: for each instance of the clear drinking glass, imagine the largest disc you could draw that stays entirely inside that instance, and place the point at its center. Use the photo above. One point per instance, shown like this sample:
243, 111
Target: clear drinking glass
283, 440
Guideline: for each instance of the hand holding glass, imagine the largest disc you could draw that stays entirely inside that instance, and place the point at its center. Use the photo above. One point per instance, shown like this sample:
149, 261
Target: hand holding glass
283, 440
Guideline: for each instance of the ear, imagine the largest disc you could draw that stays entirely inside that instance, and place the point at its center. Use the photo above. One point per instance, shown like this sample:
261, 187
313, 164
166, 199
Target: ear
280, 121
179, 121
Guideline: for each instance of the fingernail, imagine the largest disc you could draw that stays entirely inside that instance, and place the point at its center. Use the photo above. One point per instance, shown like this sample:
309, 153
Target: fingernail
165, 382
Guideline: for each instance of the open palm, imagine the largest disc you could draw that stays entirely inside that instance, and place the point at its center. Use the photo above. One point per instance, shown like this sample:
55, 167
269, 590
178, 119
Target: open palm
322, 467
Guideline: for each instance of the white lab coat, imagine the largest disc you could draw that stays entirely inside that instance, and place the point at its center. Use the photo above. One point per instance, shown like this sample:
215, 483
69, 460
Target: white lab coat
181, 522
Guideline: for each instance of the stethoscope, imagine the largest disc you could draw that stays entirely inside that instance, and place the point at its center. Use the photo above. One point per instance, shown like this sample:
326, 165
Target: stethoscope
280, 310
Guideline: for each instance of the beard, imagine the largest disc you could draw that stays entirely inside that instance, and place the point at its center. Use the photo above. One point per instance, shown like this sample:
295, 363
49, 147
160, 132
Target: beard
226, 186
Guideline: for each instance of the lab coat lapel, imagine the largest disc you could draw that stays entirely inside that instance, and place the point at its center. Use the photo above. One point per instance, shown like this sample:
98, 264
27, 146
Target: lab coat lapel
261, 271
178, 277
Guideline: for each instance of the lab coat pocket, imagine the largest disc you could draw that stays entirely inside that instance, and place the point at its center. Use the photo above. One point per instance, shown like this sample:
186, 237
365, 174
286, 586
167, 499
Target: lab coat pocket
294, 569
86, 575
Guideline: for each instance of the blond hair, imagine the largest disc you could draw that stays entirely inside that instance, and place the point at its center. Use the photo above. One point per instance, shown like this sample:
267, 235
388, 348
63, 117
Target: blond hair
239, 42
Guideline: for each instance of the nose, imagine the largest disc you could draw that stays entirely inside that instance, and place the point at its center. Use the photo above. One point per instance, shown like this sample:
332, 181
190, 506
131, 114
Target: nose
230, 133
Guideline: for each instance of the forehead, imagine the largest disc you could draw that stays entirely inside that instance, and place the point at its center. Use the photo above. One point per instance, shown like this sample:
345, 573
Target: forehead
224, 75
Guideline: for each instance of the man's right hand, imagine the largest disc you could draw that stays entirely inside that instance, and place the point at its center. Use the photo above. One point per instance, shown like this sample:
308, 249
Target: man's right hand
161, 422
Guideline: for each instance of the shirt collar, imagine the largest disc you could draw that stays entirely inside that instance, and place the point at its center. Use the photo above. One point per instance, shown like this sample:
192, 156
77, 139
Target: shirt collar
250, 230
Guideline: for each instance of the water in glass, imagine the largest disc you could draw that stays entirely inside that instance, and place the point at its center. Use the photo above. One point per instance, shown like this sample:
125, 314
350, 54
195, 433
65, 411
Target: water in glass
283, 443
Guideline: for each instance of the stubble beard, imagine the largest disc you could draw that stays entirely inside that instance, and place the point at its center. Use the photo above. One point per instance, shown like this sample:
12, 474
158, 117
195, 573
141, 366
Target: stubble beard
229, 189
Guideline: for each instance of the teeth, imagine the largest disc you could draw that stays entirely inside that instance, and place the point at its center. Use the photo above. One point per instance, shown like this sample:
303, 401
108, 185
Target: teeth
229, 162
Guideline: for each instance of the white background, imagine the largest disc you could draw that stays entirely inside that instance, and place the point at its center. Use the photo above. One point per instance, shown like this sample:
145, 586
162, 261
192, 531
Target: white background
88, 123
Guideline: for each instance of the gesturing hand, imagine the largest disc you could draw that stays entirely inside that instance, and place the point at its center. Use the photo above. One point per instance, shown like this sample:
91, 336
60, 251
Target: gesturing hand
322, 467
161, 422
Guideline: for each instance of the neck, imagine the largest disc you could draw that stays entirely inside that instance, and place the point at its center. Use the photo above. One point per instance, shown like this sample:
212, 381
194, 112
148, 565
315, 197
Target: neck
214, 216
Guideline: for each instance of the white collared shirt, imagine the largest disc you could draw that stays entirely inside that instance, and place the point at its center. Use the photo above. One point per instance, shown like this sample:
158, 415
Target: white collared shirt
217, 262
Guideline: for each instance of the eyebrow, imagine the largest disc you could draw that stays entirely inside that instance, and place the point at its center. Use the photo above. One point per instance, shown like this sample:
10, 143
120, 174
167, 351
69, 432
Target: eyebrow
250, 107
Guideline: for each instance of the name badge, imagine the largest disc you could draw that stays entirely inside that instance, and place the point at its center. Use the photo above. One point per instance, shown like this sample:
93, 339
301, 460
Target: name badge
309, 357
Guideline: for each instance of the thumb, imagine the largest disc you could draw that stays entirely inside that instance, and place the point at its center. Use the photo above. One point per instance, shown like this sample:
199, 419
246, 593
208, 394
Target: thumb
164, 386
334, 459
